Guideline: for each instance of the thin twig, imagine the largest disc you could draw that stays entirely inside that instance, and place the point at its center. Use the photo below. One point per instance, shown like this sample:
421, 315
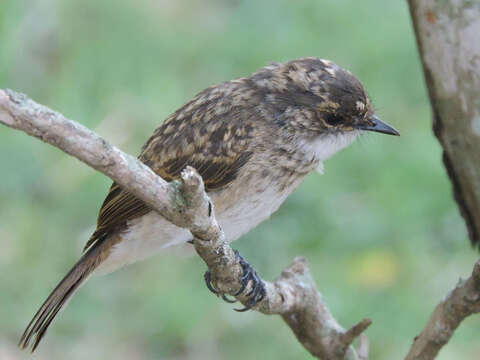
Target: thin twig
461, 302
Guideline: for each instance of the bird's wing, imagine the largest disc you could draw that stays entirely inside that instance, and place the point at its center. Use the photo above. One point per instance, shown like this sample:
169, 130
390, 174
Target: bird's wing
215, 143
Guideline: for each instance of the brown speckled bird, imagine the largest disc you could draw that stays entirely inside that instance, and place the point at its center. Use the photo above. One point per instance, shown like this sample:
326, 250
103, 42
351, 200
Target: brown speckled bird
253, 140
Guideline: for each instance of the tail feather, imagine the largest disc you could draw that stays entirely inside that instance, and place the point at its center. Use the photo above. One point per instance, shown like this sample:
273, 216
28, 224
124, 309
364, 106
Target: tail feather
58, 298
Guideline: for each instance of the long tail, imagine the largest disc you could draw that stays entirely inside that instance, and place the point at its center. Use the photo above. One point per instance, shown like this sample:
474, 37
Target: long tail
63, 292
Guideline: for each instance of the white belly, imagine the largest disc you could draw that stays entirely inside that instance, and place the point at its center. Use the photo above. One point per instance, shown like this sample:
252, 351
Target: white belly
151, 233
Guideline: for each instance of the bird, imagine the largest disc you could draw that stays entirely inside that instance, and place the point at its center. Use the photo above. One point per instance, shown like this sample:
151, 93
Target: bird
253, 140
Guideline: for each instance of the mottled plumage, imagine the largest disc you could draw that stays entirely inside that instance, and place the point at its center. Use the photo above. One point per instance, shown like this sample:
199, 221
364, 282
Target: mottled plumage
252, 140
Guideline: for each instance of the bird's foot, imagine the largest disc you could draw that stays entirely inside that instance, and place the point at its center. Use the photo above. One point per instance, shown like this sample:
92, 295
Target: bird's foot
258, 291
255, 295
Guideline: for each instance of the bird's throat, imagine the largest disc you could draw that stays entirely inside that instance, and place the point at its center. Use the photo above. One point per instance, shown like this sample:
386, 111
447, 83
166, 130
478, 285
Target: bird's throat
325, 146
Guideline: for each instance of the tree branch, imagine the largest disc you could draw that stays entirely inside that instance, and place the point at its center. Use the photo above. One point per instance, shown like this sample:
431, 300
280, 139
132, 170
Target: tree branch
461, 302
446, 33
293, 295
447, 38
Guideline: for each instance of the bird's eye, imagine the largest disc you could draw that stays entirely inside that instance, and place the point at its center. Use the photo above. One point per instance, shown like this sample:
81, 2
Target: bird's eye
333, 119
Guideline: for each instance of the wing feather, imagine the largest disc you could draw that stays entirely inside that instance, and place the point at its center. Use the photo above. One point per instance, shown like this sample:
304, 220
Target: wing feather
216, 144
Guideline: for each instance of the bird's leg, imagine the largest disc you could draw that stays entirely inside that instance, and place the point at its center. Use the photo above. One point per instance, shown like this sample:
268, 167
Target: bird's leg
255, 295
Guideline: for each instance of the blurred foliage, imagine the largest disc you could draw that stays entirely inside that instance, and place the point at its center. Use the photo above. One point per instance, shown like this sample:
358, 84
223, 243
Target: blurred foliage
380, 228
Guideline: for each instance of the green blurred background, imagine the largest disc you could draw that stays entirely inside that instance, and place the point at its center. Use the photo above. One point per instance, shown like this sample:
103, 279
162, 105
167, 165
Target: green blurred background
381, 231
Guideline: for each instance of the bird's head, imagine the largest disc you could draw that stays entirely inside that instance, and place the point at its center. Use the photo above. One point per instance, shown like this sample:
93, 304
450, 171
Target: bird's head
319, 102
319, 96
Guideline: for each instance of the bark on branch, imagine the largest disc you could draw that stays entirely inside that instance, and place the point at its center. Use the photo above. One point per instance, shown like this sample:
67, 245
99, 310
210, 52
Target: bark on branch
447, 37
447, 34
293, 295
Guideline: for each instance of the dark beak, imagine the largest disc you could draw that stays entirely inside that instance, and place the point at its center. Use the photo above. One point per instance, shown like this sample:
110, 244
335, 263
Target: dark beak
379, 126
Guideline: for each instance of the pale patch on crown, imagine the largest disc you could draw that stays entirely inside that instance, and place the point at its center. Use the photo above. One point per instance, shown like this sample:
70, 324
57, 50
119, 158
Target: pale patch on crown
360, 106
327, 62
330, 70
325, 146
